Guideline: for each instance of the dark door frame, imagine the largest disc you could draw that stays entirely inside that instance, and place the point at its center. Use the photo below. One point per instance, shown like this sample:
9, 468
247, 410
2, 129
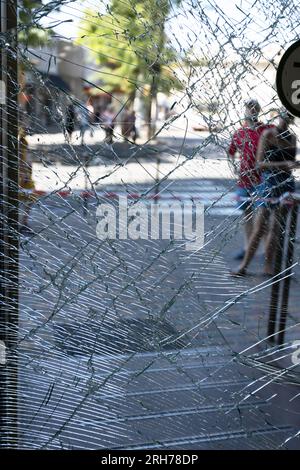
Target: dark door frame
9, 237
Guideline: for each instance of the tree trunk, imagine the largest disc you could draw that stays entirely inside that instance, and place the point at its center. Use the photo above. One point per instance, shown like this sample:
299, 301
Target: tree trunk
131, 97
9, 242
152, 103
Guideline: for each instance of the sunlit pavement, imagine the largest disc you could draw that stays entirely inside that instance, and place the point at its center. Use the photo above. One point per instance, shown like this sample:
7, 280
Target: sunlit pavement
96, 135
148, 345
140, 345
95, 165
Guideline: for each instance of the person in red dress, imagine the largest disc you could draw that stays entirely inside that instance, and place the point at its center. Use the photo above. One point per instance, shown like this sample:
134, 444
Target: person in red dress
244, 143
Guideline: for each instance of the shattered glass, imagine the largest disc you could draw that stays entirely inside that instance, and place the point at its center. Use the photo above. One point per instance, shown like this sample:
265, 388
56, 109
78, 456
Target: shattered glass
124, 343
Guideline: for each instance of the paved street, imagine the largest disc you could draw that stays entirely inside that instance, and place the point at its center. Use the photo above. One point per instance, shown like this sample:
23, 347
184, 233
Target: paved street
141, 328
142, 344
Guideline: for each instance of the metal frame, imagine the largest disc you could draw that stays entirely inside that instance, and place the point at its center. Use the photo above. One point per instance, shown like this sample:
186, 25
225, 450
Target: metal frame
283, 261
9, 238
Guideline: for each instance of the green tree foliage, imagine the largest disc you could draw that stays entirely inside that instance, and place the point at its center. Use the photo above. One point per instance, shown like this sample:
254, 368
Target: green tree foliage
130, 44
30, 32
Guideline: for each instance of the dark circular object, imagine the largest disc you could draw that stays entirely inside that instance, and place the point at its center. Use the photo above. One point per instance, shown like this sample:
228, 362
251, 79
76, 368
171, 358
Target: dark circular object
288, 79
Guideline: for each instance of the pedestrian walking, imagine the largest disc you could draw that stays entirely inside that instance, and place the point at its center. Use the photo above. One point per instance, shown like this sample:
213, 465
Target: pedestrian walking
129, 125
276, 158
244, 143
108, 124
84, 120
70, 121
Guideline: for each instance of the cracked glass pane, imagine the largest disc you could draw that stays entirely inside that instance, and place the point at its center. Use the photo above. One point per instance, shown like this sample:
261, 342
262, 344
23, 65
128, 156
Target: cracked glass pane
149, 242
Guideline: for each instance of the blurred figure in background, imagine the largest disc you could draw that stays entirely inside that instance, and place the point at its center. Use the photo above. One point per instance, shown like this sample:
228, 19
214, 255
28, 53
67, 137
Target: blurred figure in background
91, 112
129, 125
245, 143
84, 117
70, 121
108, 124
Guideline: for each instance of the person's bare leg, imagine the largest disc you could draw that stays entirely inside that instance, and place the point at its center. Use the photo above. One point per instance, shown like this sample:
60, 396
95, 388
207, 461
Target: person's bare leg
278, 214
250, 222
261, 223
248, 225
265, 241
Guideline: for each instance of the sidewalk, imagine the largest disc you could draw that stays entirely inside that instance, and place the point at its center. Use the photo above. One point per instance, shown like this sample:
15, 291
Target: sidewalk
143, 345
